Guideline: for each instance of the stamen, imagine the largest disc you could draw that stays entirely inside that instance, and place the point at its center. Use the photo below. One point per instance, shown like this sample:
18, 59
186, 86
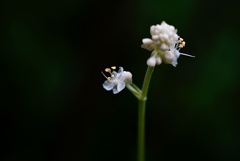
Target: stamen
181, 45
108, 70
187, 55
180, 39
104, 75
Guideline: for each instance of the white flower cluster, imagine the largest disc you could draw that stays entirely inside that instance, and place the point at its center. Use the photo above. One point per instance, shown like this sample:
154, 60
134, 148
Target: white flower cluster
165, 45
117, 80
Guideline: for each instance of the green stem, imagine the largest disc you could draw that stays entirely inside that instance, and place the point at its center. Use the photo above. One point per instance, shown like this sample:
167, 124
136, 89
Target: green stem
134, 90
141, 114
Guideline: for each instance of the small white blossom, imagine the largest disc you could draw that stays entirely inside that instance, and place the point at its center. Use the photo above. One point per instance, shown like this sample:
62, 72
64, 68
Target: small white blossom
165, 45
117, 80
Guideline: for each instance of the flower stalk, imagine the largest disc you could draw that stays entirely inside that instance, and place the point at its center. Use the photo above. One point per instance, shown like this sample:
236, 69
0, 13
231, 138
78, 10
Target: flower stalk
141, 114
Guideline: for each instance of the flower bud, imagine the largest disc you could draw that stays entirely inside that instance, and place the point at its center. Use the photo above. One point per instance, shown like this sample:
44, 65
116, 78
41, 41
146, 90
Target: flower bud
128, 77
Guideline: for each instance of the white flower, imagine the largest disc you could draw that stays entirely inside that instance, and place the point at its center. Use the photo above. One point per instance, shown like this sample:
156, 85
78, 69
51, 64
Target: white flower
165, 45
117, 81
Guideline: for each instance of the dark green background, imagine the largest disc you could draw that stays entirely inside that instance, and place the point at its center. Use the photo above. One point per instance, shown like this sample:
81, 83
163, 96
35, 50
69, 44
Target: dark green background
53, 106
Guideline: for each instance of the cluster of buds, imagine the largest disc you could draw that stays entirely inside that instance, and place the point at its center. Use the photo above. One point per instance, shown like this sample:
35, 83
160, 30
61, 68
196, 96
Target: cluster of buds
165, 45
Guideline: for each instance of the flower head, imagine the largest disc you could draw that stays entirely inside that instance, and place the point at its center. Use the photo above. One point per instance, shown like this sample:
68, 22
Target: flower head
117, 80
165, 45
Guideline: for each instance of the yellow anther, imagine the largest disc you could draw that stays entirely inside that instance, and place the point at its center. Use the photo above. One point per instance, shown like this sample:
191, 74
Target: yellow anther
113, 67
112, 76
108, 70
181, 46
183, 43
109, 78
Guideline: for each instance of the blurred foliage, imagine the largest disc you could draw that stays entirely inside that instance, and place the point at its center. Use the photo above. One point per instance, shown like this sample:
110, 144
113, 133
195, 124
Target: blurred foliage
53, 106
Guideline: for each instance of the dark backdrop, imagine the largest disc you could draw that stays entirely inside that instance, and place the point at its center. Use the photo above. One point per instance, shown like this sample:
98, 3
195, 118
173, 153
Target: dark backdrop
53, 106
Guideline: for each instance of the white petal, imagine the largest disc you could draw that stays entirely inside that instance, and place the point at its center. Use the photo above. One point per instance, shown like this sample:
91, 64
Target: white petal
120, 69
120, 77
155, 37
163, 23
168, 57
120, 86
108, 85
174, 63
151, 61
163, 36
115, 91
147, 41
171, 27
177, 53
128, 77
152, 30
164, 47
158, 60
147, 47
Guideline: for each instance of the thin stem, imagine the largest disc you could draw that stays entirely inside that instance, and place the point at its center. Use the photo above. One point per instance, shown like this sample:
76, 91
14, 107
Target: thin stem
146, 82
141, 114
141, 130
134, 90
